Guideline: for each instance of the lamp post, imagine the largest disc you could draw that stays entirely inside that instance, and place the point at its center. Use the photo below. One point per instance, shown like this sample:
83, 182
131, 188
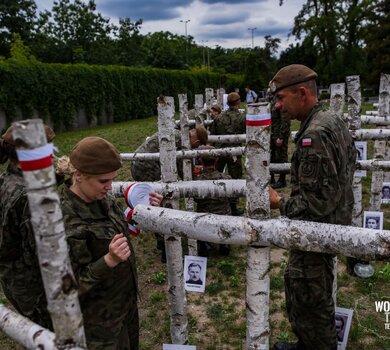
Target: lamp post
253, 31
203, 45
185, 29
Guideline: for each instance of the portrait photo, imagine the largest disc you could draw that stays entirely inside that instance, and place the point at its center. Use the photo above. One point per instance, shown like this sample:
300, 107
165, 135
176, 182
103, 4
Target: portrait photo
373, 220
361, 154
343, 318
386, 193
195, 273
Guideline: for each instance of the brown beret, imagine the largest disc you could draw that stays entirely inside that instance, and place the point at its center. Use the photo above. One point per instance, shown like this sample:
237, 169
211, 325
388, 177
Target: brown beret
216, 108
232, 98
7, 136
291, 75
95, 156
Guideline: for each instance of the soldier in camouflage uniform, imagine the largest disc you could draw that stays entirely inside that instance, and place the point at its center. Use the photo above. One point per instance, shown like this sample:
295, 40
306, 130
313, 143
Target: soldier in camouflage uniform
20, 275
230, 122
100, 249
322, 170
150, 170
280, 133
220, 206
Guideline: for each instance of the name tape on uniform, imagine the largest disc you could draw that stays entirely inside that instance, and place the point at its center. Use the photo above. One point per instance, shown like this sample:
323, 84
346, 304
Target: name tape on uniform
258, 119
35, 159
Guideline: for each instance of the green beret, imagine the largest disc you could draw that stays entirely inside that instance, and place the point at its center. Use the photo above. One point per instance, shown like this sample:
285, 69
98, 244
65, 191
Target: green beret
95, 156
232, 98
291, 75
7, 136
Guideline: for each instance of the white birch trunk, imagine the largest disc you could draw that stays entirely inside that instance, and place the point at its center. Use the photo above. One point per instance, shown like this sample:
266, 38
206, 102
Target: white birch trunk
337, 96
199, 101
380, 151
209, 93
227, 138
258, 258
177, 297
354, 101
362, 243
380, 121
187, 154
383, 111
187, 163
49, 232
193, 122
220, 93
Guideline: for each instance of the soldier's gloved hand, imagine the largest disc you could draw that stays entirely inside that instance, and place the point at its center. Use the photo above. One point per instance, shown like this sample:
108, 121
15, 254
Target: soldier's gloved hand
118, 251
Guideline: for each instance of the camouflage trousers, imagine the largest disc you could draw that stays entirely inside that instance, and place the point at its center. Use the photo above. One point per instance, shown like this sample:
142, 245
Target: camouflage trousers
234, 166
309, 301
279, 154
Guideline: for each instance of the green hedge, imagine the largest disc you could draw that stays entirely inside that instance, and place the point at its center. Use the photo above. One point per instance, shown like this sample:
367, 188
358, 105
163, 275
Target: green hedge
58, 91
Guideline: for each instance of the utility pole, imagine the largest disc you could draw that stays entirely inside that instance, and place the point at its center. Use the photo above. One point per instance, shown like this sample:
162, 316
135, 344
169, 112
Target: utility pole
185, 29
253, 33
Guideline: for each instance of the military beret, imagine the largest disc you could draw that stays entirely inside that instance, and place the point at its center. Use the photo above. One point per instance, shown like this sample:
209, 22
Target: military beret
94, 156
291, 75
7, 136
216, 108
232, 98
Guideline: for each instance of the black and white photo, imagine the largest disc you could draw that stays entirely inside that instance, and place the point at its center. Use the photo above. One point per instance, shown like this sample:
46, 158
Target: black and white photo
195, 273
373, 220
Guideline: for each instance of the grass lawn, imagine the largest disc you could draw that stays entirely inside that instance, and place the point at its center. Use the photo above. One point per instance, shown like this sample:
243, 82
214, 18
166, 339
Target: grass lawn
217, 318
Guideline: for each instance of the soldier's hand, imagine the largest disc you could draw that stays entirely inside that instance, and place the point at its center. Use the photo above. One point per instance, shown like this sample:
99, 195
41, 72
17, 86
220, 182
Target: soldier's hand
279, 142
118, 251
274, 198
155, 199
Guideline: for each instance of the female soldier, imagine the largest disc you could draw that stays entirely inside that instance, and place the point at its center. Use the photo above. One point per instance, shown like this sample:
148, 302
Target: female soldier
20, 275
100, 249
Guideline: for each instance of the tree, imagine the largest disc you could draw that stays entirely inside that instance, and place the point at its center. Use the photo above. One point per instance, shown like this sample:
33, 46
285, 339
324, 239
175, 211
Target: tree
16, 16
378, 37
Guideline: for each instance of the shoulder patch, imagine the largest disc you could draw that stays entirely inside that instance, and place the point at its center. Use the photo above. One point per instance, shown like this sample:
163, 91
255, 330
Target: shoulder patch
306, 142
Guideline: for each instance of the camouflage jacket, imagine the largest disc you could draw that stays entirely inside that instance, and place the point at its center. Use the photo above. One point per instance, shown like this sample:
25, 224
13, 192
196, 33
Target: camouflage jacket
280, 127
213, 205
230, 122
150, 170
105, 294
322, 170
20, 273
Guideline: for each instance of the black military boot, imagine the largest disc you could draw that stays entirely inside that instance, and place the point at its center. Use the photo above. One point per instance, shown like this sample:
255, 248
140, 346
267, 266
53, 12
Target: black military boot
236, 211
281, 182
288, 346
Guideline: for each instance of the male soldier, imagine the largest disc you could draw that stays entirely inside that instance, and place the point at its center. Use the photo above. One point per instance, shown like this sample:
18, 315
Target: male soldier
230, 122
150, 170
280, 132
322, 170
20, 274
220, 206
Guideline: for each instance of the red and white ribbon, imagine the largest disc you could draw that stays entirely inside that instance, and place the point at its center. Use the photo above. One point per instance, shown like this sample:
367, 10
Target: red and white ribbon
35, 159
134, 231
126, 195
258, 119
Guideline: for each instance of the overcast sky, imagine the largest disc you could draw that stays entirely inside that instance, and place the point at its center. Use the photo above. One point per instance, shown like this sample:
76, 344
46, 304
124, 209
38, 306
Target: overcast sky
212, 22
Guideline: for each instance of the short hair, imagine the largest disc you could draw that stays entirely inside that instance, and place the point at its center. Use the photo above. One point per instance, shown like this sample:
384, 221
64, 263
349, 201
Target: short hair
194, 265
201, 134
311, 85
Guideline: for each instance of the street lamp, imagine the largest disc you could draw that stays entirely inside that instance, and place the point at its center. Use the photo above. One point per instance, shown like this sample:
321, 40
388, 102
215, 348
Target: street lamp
185, 28
203, 45
253, 31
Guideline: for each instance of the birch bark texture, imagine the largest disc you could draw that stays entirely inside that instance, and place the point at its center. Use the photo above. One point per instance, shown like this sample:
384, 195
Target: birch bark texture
358, 242
187, 163
337, 95
176, 292
384, 110
49, 232
257, 204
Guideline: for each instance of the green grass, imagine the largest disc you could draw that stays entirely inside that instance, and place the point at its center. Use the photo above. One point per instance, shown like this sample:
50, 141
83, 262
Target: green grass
217, 318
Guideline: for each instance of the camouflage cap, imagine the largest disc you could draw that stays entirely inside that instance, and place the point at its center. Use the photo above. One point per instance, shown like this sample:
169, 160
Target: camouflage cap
216, 108
291, 75
94, 156
7, 136
232, 98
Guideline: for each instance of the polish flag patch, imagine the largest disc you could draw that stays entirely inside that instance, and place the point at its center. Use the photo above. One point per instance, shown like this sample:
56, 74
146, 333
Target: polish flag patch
306, 142
258, 119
